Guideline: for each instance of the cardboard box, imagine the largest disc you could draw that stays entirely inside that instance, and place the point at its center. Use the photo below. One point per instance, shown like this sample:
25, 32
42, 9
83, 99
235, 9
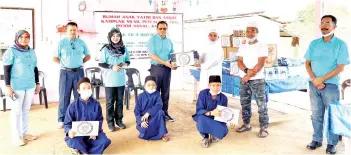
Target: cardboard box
185, 59
239, 33
225, 52
225, 41
230, 51
272, 55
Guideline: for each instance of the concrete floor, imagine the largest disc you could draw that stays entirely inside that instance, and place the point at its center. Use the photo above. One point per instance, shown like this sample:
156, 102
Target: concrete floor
290, 130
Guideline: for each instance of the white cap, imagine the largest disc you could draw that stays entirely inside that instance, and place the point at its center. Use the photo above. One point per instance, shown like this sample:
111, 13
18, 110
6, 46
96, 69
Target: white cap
252, 24
212, 30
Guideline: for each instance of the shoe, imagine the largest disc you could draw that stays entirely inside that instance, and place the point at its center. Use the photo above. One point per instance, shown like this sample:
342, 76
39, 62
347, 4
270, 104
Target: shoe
75, 152
29, 137
165, 138
313, 145
112, 129
205, 143
169, 118
121, 125
60, 125
214, 139
331, 149
18, 141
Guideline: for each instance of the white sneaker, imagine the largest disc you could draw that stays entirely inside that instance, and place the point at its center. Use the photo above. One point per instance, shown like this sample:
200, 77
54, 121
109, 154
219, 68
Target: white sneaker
18, 141
60, 125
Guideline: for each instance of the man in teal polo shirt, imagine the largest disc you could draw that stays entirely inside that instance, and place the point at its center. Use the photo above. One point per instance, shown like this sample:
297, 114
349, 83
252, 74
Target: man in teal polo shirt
326, 58
160, 48
71, 53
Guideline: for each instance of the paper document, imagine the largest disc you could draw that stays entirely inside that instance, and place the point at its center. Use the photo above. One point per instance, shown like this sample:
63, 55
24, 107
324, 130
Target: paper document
229, 115
86, 128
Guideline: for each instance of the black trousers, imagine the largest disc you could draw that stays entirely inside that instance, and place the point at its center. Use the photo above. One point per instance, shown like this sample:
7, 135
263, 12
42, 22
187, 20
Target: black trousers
163, 81
114, 105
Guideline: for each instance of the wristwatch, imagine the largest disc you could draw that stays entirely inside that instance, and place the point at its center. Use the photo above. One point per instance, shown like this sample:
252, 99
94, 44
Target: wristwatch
245, 70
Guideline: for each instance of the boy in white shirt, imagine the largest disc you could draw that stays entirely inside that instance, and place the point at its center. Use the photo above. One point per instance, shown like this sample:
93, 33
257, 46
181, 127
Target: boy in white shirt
251, 59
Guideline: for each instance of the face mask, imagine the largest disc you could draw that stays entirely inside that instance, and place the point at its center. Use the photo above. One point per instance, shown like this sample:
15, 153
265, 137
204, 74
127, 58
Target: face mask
328, 34
212, 93
151, 91
86, 94
252, 39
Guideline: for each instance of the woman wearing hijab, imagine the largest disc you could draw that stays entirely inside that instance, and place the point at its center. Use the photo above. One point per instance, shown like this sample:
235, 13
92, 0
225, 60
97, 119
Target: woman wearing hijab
211, 58
113, 59
22, 81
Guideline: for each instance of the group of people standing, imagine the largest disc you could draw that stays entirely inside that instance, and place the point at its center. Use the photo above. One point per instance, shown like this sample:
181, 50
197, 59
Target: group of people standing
325, 60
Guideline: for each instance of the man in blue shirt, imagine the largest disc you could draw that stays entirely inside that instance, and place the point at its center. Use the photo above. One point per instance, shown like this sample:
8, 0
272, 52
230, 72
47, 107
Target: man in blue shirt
160, 48
326, 58
71, 53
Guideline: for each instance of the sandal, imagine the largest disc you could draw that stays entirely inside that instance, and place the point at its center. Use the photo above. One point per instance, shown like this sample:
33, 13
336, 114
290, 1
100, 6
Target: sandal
165, 138
205, 143
214, 139
263, 133
243, 128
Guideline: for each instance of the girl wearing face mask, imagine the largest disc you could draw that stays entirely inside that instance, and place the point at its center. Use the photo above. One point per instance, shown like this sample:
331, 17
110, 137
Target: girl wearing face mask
22, 81
113, 59
150, 117
85, 108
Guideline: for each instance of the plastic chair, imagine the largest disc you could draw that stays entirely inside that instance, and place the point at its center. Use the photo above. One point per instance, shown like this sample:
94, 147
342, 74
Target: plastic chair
132, 85
3, 96
42, 89
95, 76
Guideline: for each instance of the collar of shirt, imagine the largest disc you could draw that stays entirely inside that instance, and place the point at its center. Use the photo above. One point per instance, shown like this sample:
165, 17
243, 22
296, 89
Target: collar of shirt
330, 41
81, 100
161, 37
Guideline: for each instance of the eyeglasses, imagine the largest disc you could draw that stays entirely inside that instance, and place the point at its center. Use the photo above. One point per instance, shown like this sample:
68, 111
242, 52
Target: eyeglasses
162, 29
73, 47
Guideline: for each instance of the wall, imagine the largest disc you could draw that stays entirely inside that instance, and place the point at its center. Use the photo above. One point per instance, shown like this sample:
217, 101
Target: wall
50, 13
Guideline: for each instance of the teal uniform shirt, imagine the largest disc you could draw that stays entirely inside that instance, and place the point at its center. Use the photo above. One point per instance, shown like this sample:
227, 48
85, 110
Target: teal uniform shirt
22, 72
162, 47
112, 78
71, 52
327, 56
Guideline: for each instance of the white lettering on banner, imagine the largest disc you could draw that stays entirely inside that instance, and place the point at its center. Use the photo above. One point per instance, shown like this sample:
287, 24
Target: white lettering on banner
137, 28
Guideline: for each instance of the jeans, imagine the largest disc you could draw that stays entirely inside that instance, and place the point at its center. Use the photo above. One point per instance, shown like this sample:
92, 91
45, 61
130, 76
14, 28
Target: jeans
320, 99
67, 84
20, 112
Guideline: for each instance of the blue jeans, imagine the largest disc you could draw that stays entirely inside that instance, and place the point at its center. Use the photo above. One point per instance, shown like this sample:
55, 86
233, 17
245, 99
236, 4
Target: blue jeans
67, 84
320, 99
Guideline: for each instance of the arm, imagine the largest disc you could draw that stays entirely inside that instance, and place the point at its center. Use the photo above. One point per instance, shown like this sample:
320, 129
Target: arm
127, 57
102, 61
157, 59
100, 118
200, 104
69, 118
56, 59
86, 58
241, 64
86, 53
138, 110
8, 60
342, 60
157, 107
36, 75
57, 54
309, 69
260, 64
308, 61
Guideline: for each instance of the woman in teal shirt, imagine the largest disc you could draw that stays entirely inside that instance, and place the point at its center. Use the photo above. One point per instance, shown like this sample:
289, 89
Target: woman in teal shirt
113, 59
22, 81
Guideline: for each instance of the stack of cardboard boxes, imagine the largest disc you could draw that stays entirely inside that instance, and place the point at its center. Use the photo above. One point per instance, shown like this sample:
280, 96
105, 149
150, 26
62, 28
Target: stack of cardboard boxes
231, 43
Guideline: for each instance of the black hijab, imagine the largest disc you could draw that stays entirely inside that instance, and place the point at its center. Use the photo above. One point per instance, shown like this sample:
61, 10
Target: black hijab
118, 48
